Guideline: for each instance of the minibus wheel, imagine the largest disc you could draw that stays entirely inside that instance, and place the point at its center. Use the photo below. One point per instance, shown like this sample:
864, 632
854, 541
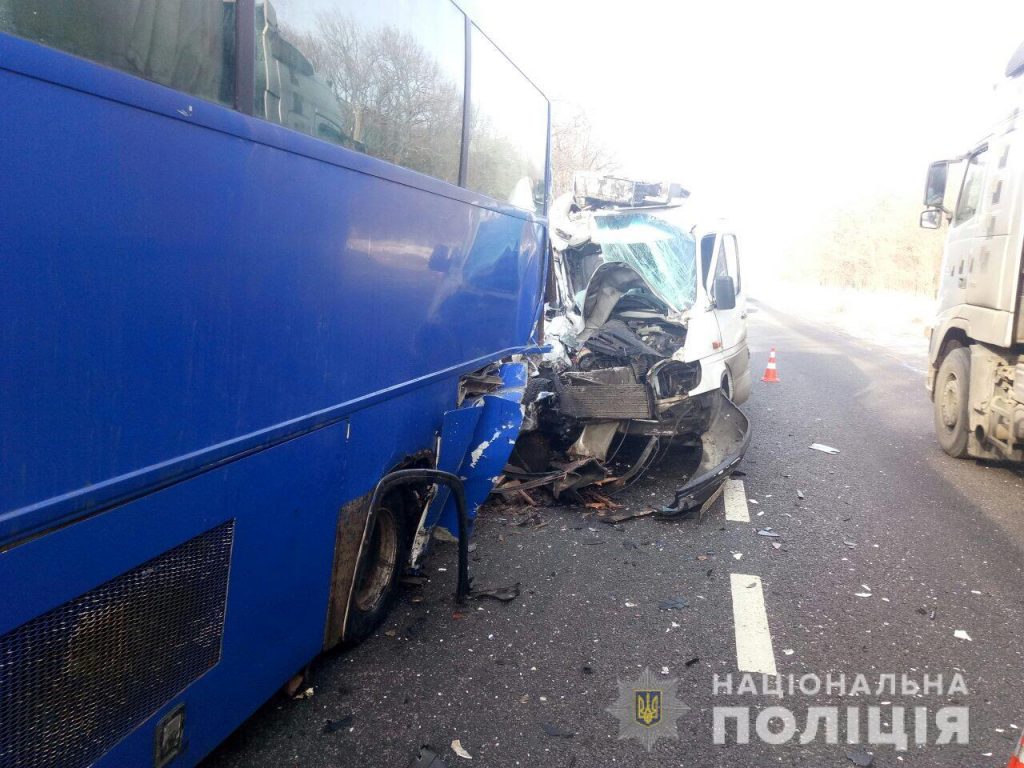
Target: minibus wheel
727, 383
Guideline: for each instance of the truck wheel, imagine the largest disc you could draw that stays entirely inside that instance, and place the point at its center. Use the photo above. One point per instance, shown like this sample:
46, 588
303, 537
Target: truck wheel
952, 425
379, 569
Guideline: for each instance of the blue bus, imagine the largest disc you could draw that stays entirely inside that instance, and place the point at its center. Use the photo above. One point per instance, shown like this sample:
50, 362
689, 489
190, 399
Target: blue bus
268, 267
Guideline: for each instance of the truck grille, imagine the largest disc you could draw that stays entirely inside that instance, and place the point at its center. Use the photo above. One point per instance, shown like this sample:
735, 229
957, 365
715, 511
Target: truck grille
77, 679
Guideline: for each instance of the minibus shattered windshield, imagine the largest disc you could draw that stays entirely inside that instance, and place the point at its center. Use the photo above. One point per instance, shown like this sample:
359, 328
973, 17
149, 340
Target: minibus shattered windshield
663, 254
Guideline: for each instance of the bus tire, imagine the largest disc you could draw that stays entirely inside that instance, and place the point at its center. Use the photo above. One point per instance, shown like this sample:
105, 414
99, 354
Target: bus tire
952, 396
379, 570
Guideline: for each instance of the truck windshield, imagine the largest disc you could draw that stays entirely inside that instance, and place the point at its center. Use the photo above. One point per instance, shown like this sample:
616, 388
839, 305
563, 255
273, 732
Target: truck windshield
662, 252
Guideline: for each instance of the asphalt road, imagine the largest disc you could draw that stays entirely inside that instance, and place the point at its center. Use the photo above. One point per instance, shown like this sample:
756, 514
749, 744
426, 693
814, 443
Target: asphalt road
932, 545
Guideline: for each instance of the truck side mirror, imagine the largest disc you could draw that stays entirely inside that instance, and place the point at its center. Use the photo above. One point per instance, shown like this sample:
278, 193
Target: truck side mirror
725, 292
935, 187
931, 218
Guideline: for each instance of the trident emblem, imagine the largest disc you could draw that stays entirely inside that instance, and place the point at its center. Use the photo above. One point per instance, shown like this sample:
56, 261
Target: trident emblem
648, 707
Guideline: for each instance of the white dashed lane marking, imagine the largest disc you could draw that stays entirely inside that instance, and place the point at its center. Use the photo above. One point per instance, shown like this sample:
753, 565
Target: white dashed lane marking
736, 502
754, 652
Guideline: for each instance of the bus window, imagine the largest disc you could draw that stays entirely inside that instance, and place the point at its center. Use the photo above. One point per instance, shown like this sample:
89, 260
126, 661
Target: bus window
188, 45
388, 75
508, 130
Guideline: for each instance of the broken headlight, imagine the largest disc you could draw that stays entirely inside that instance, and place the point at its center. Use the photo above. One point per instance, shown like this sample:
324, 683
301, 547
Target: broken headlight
671, 378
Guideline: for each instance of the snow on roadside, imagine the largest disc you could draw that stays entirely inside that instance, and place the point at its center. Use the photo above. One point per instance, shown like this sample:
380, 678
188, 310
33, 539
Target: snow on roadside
895, 321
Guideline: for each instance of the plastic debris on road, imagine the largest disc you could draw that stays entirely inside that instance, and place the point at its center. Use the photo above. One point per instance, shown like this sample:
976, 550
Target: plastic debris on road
961, 635
458, 749
824, 448
672, 604
625, 514
502, 594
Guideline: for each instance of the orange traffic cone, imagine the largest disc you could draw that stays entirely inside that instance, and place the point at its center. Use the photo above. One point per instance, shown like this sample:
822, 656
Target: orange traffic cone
1017, 759
770, 374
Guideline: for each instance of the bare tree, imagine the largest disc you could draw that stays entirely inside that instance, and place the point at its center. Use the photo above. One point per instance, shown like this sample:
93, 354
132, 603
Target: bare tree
874, 245
403, 106
574, 147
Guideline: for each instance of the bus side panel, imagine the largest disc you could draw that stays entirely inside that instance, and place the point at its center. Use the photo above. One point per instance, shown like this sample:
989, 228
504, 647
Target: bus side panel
211, 344
284, 504
175, 294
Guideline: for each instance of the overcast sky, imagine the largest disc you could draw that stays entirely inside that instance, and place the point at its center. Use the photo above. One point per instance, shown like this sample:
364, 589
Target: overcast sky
771, 112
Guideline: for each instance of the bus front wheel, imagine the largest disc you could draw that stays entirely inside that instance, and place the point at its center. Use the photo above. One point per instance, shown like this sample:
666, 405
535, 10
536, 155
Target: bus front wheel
380, 567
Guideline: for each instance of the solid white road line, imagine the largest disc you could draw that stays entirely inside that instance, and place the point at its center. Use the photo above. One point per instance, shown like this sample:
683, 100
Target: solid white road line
754, 652
736, 502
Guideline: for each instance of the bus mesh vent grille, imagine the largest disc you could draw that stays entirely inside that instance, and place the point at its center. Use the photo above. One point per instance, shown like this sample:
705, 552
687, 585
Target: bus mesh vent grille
78, 679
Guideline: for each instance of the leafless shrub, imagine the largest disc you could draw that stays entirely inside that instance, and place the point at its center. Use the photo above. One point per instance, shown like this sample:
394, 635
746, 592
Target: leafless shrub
574, 147
874, 245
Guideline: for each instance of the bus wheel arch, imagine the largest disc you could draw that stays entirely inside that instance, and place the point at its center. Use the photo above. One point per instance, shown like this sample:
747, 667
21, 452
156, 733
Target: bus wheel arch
381, 556
384, 553
377, 572
370, 554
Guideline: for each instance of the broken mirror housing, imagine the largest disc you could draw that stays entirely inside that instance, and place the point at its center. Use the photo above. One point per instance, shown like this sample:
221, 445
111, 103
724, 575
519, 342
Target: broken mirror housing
592, 190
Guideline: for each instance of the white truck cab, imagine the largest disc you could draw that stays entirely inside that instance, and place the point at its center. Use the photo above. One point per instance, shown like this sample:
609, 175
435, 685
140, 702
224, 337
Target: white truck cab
976, 373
